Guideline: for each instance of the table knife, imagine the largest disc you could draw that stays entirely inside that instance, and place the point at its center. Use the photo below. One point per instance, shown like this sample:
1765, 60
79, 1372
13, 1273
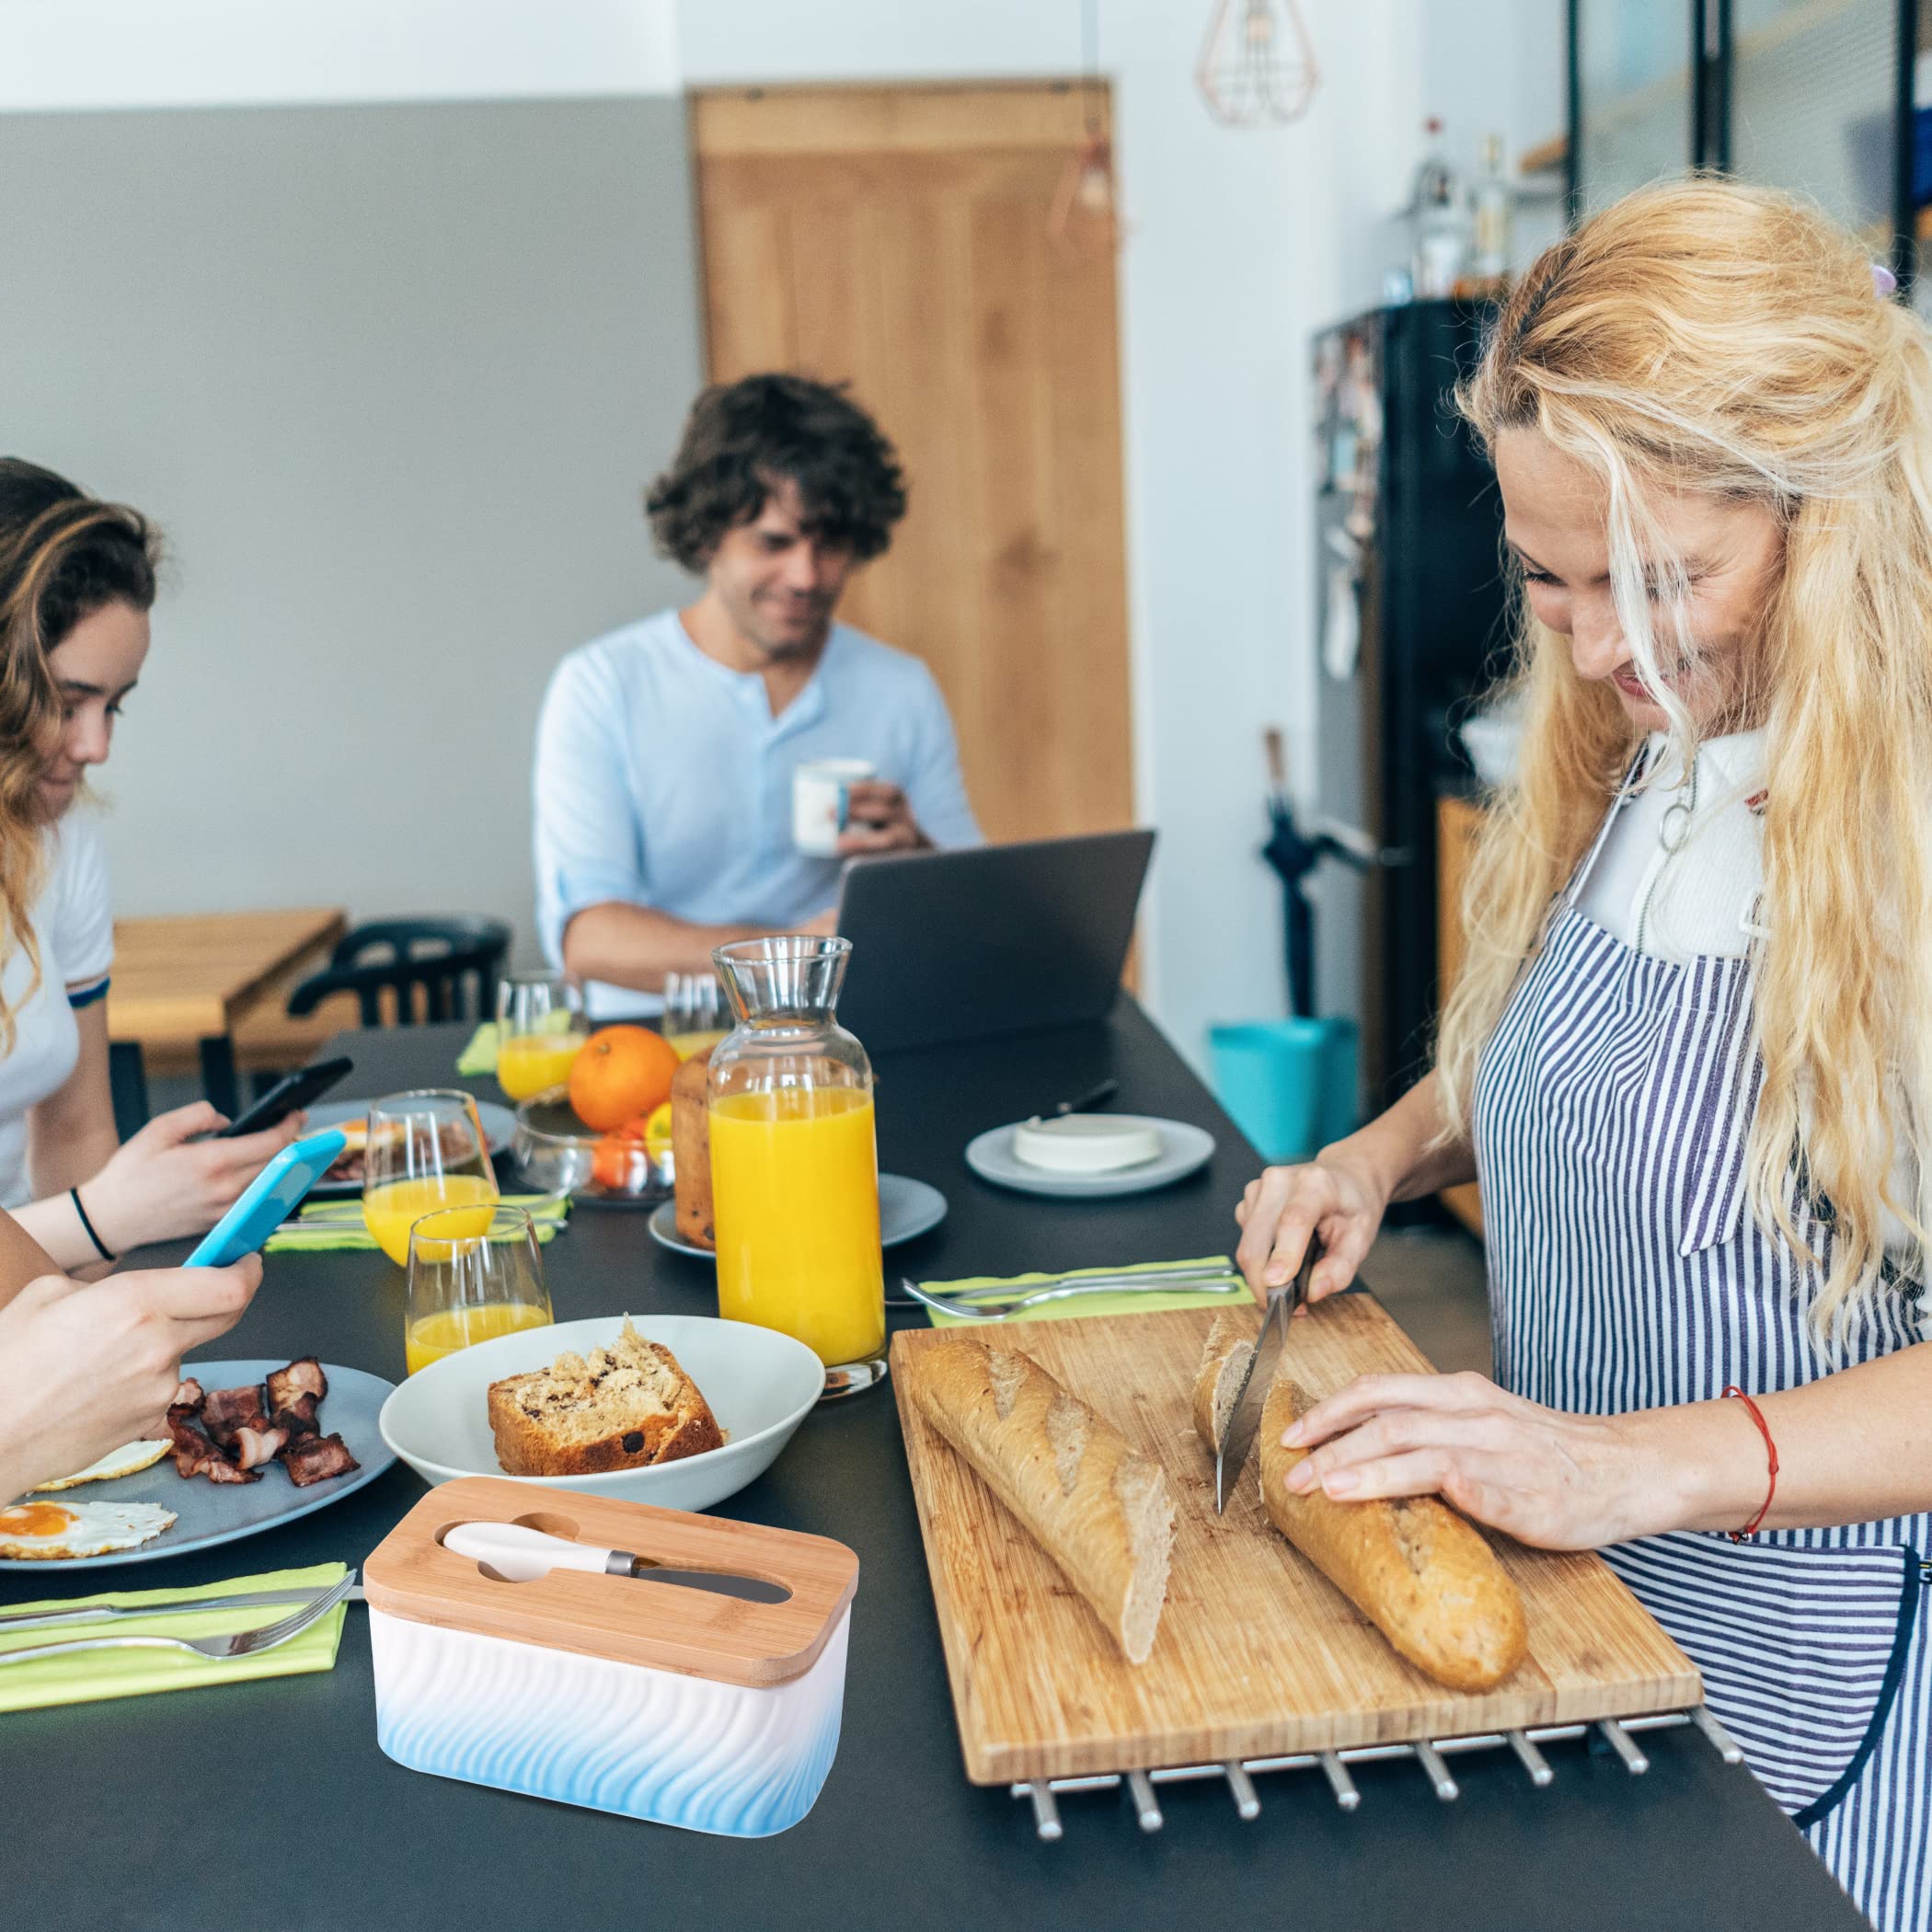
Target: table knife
103, 1613
521, 1554
1244, 1419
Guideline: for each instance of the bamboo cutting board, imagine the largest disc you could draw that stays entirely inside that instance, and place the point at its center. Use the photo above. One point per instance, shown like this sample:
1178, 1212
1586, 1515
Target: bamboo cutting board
1258, 1653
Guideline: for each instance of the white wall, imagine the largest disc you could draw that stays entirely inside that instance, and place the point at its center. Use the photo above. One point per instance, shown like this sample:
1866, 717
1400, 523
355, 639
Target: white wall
1241, 243
172, 54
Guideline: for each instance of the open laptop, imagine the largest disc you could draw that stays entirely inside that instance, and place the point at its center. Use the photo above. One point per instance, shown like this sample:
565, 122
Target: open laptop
999, 939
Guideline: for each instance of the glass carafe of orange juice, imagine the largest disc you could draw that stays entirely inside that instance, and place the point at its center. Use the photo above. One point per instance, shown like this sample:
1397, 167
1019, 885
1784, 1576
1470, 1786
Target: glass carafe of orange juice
794, 1159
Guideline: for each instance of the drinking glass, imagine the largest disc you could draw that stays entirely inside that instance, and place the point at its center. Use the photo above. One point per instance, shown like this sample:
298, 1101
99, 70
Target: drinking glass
695, 1015
425, 1151
540, 1027
471, 1282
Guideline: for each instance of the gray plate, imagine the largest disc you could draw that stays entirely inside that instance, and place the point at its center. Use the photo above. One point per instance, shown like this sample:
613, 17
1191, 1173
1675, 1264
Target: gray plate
499, 1126
1183, 1149
906, 1208
210, 1513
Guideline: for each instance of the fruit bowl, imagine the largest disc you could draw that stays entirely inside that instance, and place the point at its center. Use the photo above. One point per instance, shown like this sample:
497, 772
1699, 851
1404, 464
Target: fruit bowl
556, 1154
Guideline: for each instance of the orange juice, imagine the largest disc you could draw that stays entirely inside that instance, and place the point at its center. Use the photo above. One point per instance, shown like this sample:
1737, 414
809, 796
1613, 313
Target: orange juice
449, 1329
393, 1208
795, 1188
528, 1063
686, 1044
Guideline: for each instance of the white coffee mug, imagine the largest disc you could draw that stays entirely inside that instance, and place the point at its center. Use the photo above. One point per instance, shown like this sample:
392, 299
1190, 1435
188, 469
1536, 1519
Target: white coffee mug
821, 802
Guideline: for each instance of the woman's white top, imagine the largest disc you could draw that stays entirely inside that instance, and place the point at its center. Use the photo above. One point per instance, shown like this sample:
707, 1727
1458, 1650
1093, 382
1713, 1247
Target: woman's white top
74, 921
1679, 874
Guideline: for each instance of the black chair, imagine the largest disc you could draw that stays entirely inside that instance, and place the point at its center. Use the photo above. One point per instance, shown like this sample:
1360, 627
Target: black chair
455, 964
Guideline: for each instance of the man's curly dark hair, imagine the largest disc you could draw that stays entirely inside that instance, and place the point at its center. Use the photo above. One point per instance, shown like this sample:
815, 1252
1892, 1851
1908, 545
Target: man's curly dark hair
744, 439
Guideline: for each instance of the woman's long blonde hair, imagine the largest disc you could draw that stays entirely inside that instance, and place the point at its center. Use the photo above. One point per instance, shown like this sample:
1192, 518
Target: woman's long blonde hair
1703, 336
63, 555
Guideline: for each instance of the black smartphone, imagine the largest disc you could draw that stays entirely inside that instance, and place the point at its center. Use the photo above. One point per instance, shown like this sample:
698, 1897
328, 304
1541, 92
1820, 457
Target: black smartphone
301, 1088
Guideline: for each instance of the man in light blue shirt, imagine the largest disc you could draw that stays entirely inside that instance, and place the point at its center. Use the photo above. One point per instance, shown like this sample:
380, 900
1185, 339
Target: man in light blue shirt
666, 749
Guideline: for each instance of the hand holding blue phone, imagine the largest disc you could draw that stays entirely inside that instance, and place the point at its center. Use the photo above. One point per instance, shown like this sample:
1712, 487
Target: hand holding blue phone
268, 1199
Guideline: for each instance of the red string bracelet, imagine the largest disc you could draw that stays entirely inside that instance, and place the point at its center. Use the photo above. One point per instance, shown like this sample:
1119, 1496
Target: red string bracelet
1770, 1451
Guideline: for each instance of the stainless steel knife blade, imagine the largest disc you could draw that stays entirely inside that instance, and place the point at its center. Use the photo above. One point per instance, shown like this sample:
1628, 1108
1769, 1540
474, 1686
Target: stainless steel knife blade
1244, 1419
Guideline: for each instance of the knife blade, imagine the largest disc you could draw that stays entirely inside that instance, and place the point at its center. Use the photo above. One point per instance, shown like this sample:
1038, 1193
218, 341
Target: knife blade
1244, 1419
103, 1613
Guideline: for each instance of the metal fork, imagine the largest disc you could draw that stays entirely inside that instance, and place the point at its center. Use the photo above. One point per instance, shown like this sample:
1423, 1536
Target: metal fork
235, 1643
1066, 1291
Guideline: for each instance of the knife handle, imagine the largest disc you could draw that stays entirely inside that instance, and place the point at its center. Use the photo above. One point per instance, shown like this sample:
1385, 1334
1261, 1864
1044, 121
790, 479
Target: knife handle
523, 1554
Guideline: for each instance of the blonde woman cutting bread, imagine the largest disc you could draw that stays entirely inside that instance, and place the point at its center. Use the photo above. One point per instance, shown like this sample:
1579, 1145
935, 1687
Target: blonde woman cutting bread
1690, 1056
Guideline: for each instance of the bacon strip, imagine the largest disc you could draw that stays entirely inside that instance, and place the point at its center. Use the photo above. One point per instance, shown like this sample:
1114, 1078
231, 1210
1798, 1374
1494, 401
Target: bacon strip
196, 1456
314, 1458
299, 1378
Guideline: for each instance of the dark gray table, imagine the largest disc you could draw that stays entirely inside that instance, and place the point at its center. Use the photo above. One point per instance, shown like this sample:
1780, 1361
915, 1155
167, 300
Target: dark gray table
269, 1805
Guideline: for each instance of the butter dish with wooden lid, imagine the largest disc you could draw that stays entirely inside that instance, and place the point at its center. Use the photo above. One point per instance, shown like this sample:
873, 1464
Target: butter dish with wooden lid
650, 1699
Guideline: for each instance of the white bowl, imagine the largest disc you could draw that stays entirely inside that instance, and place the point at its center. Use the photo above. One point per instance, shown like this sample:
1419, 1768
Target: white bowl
761, 1386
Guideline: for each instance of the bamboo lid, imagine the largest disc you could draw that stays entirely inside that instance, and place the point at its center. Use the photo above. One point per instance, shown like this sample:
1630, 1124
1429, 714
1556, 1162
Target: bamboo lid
628, 1619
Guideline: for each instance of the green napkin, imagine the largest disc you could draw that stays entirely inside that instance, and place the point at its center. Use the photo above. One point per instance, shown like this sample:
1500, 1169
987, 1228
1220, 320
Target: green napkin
338, 1227
1140, 1301
479, 1057
89, 1676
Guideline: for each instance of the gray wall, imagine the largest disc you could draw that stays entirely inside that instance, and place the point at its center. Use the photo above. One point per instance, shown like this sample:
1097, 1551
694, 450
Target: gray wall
390, 378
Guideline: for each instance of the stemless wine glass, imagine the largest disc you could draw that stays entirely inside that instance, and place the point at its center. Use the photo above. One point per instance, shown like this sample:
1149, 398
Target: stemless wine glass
425, 1151
540, 1027
695, 1015
469, 1284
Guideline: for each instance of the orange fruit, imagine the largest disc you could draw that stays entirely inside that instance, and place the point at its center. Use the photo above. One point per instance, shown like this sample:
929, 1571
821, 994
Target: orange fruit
621, 1072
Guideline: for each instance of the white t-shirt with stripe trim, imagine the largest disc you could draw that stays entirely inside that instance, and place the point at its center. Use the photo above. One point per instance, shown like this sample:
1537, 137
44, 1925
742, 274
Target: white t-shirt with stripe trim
74, 921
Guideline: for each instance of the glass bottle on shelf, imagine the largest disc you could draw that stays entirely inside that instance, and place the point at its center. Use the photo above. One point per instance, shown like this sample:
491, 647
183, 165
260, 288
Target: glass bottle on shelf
1491, 258
1439, 210
795, 1160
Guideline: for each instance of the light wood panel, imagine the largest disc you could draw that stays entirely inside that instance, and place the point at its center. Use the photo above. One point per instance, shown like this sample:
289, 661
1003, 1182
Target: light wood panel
178, 980
1457, 826
1257, 1652
897, 238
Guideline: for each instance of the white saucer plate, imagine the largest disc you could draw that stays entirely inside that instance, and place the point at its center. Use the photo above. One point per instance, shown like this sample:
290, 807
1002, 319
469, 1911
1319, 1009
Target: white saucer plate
1184, 1149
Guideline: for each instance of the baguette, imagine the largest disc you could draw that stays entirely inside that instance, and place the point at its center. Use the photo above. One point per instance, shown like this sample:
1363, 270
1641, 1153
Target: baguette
1414, 1568
1223, 1361
1101, 1509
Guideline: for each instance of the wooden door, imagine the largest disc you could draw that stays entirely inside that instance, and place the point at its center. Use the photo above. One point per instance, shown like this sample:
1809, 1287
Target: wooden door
897, 238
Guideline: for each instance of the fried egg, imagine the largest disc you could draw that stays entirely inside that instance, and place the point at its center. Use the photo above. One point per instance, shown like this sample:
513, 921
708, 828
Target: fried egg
128, 1461
45, 1530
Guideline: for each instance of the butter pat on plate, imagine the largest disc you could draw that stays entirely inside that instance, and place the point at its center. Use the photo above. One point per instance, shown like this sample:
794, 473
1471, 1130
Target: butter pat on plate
1085, 1143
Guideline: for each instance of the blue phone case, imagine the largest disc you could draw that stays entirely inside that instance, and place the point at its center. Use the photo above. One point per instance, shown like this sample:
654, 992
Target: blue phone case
268, 1199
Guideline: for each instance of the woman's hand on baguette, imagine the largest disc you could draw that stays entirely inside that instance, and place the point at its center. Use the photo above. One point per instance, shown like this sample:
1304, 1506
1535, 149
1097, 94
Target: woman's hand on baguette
1335, 1196
1547, 1477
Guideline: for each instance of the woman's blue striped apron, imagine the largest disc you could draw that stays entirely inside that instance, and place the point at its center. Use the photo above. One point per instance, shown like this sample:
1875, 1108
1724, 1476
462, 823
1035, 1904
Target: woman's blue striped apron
1626, 1271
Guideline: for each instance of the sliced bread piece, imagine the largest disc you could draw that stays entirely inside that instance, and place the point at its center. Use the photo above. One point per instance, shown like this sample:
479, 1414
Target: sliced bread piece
1217, 1382
627, 1406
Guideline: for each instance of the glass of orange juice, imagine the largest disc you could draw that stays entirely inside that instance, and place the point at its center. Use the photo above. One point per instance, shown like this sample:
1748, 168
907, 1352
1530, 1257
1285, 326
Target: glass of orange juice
425, 1151
794, 1159
471, 1282
695, 1015
540, 1027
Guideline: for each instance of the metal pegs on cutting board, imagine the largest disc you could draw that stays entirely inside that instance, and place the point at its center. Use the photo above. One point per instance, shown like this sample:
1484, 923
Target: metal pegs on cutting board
1430, 1756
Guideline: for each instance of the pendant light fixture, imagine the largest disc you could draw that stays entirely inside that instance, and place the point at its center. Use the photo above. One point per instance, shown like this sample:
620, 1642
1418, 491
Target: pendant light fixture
1256, 63
1086, 212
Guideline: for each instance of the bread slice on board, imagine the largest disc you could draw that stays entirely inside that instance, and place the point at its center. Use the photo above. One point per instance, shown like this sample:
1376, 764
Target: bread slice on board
1225, 1357
1101, 1509
1413, 1566
627, 1406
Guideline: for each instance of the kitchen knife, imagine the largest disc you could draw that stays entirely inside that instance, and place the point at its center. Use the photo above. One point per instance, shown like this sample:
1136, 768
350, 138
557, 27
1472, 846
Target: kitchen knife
521, 1554
1245, 1418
